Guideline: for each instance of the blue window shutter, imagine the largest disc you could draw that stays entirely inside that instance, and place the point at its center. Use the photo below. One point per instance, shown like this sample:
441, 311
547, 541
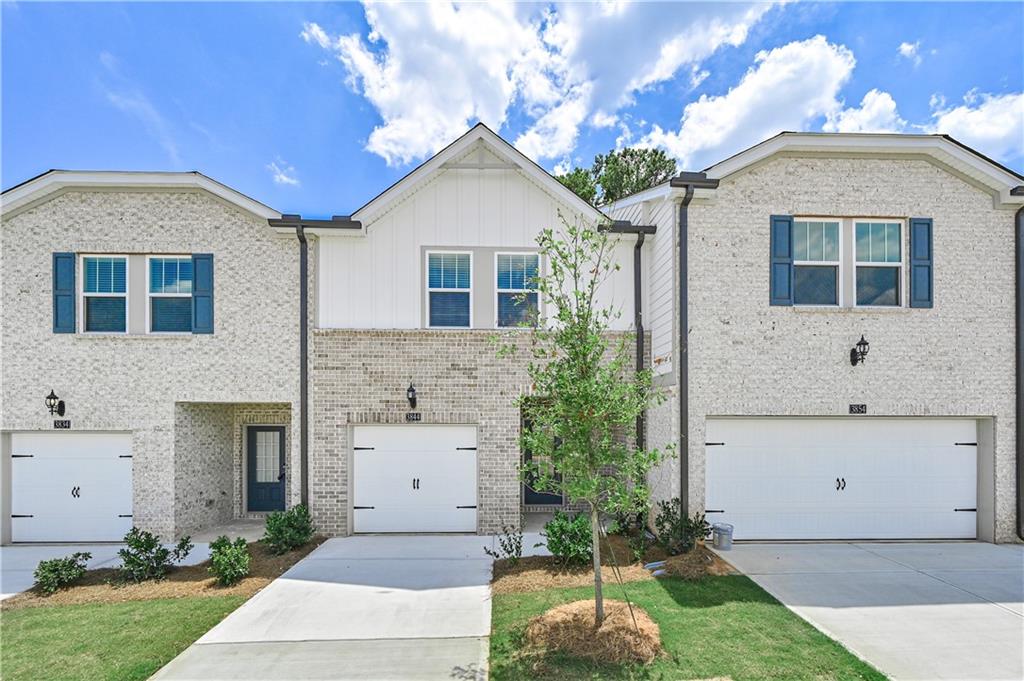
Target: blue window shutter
63, 292
781, 275
202, 293
921, 262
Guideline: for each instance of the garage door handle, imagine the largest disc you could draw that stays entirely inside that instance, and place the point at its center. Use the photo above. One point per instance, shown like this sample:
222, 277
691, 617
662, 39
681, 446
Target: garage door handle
76, 492
844, 483
837, 484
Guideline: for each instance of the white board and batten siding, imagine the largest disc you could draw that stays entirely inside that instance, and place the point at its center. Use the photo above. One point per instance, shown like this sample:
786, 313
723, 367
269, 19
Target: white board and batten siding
850, 478
659, 277
376, 281
70, 487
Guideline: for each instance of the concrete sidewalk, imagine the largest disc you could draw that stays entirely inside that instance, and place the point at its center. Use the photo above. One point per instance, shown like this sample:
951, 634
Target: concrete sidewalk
916, 611
367, 607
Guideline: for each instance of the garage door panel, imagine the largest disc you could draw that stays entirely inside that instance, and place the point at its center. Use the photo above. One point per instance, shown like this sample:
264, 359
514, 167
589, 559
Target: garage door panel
70, 487
414, 479
776, 478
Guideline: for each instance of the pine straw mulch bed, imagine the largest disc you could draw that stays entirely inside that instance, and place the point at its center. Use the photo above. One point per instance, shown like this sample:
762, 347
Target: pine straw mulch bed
627, 634
538, 573
102, 585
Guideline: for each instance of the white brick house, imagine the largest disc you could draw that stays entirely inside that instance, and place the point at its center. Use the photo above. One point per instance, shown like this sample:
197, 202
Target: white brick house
770, 443
412, 419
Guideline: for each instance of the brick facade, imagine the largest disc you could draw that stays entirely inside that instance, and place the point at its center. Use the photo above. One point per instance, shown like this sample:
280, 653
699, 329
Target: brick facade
749, 358
360, 377
157, 388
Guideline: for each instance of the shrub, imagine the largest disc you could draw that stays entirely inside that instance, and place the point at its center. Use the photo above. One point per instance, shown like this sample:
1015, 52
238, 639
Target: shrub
145, 558
288, 530
676, 533
57, 573
569, 538
510, 545
229, 561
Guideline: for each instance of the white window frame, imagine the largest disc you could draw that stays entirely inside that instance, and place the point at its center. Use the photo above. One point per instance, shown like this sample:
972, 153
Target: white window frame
82, 295
901, 287
429, 290
838, 264
498, 291
150, 295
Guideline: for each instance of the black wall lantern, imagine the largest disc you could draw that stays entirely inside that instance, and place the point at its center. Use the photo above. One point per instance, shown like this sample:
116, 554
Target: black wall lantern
859, 352
410, 395
55, 404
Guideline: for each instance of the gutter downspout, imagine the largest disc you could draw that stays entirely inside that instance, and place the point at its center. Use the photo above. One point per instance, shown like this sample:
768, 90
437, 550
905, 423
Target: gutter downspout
690, 182
684, 359
1018, 243
638, 321
300, 232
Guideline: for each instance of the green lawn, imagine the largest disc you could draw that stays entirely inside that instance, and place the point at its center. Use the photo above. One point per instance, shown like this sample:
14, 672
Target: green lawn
717, 627
121, 641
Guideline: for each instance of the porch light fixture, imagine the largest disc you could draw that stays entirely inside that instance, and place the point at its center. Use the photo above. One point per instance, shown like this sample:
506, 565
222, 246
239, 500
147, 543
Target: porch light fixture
55, 404
859, 352
410, 395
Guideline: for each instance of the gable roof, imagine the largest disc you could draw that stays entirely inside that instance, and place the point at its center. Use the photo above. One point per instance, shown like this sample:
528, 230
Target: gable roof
41, 186
511, 158
943, 149
1005, 184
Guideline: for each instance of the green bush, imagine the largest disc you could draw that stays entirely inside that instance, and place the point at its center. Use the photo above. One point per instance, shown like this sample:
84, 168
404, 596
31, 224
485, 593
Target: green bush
676, 533
145, 558
229, 561
510, 544
288, 530
57, 573
569, 538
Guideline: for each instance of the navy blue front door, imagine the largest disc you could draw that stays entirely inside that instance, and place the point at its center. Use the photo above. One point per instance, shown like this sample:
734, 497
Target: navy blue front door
265, 457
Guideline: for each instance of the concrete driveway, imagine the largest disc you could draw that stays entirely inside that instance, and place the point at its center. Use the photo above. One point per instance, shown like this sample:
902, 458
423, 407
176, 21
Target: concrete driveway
368, 607
914, 610
18, 562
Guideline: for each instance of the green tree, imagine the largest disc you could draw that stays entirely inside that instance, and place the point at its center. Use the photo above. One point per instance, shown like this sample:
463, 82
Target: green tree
587, 394
582, 183
618, 174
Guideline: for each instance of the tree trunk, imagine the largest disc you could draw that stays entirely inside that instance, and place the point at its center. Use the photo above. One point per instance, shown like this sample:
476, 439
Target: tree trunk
596, 539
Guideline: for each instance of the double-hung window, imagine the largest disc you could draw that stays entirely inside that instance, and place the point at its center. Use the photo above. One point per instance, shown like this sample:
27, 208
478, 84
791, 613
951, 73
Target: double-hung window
816, 262
105, 294
169, 304
516, 288
879, 262
449, 289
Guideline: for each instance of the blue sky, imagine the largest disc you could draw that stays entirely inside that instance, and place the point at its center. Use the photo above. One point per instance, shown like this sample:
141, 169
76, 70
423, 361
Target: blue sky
315, 108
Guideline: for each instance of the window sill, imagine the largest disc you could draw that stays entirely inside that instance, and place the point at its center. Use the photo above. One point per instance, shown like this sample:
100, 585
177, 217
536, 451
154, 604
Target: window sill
133, 336
814, 309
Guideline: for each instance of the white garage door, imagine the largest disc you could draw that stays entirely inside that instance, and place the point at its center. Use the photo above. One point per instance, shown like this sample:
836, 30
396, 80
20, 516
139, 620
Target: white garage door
70, 487
414, 479
856, 478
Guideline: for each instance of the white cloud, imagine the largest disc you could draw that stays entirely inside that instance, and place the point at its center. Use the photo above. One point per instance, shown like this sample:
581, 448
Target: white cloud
283, 172
992, 124
787, 88
911, 52
876, 113
431, 70
125, 95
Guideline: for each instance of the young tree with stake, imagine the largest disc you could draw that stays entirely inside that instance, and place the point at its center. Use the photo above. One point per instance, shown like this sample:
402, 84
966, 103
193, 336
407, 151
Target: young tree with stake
586, 392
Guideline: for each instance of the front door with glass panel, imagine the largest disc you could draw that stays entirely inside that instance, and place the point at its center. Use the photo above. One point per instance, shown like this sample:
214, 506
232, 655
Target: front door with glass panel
265, 468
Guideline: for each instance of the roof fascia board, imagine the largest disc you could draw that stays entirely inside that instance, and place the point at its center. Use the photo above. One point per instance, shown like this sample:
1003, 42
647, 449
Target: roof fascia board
35, 191
999, 179
479, 133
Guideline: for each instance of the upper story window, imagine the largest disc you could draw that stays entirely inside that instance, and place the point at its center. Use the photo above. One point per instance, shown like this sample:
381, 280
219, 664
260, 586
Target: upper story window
879, 263
105, 294
816, 262
516, 288
169, 303
449, 289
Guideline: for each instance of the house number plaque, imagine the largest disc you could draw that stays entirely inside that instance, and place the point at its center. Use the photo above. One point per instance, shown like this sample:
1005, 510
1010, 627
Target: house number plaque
858, 409
413, 417
62, 424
